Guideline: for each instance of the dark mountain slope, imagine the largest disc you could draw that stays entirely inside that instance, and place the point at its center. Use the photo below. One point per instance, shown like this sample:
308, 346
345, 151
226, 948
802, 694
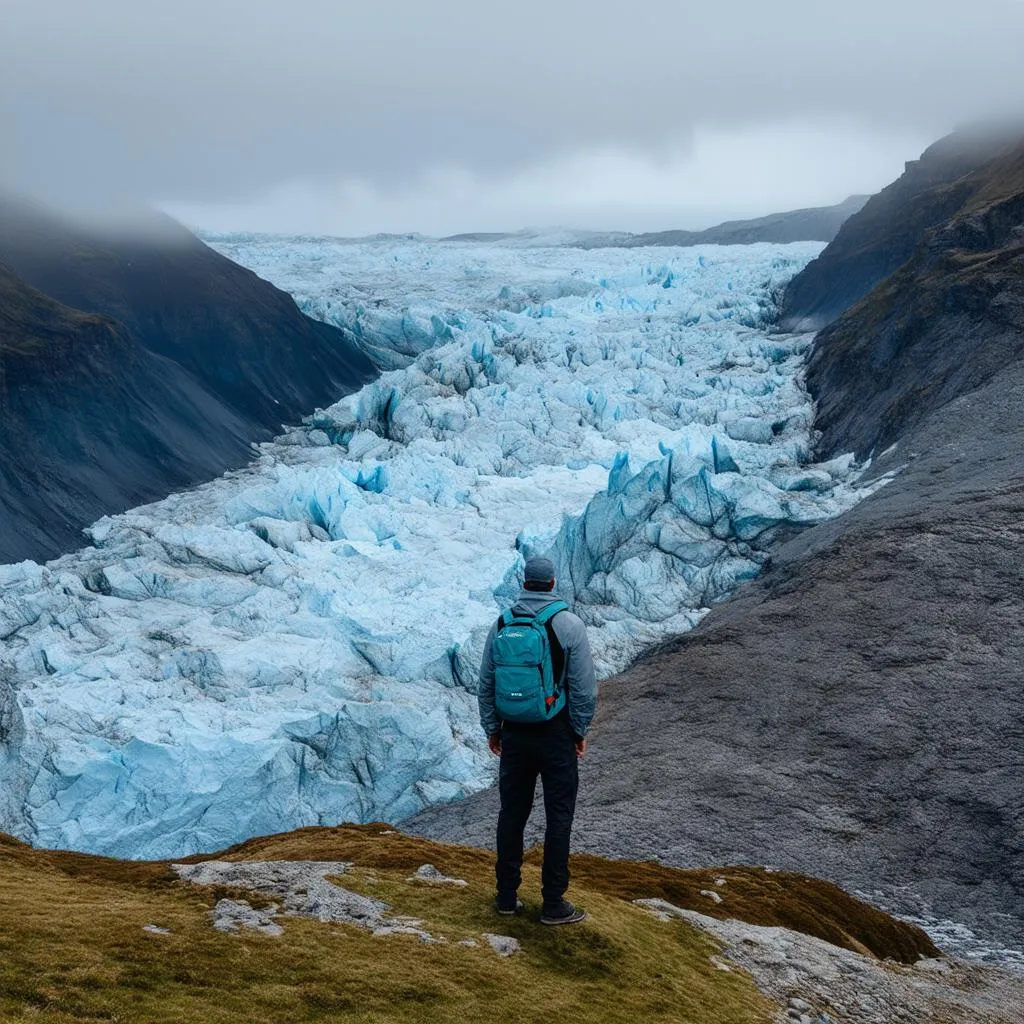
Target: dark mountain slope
239, 335
92, 422
949, 319
858, 711
884, 234
135, 364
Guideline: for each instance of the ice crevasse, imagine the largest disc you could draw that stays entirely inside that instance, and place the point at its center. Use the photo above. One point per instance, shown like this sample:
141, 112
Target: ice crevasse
297, 642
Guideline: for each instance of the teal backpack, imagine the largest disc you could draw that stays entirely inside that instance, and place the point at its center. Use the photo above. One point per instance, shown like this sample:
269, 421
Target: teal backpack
525, 687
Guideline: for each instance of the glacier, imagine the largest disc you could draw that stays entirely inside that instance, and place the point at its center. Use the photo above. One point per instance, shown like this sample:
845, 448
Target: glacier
296, 642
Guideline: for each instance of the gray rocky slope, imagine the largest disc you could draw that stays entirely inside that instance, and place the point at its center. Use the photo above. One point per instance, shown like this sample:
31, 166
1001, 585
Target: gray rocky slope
857, 712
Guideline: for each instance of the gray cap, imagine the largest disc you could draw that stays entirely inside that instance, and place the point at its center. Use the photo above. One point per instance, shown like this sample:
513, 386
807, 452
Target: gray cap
539, 570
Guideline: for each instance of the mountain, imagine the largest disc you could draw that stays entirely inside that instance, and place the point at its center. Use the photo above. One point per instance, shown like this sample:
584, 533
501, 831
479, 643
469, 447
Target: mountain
879, 238
369, 924
855, 712
92, 420
162, 362
946, 322
818, 224
815, 224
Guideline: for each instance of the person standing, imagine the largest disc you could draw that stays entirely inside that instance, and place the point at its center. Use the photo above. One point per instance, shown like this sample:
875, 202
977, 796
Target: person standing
537, 697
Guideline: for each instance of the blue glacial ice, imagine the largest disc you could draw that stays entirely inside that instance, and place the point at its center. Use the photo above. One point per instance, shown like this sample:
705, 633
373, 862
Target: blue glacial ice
296, 643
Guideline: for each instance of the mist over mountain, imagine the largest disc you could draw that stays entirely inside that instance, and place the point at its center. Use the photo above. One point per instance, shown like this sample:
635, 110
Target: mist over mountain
891, 225
818, 224
136, 361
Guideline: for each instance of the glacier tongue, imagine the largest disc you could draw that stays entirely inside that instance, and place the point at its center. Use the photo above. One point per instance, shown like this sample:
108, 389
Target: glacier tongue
296, 643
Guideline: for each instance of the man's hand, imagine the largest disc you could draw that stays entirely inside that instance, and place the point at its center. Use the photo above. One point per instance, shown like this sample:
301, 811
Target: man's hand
494, 742
581, 747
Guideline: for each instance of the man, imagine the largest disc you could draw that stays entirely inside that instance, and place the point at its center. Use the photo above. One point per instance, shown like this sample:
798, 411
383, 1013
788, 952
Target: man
549, 748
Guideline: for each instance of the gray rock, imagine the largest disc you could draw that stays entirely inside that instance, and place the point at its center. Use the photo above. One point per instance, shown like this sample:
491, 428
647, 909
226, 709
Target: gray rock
431, 876
780, 961
814, 224
503, 945
233, 915
882, 235
304, 891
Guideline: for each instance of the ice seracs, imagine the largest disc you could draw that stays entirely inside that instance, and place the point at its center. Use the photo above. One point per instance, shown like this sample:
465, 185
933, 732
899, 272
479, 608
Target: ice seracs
296, 643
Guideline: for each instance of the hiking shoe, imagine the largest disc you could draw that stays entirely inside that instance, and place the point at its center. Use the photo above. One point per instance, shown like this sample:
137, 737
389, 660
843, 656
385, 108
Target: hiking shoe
508, 909
562, 913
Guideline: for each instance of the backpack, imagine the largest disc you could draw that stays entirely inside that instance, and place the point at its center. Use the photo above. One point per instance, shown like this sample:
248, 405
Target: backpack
525, 687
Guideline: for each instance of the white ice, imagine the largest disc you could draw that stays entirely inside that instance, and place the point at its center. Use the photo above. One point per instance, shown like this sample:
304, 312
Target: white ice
296, 643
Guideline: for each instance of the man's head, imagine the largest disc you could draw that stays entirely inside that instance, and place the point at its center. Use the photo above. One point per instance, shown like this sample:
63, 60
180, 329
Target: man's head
539, 574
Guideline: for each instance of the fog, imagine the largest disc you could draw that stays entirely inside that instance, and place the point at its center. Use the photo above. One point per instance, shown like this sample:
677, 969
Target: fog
320, 115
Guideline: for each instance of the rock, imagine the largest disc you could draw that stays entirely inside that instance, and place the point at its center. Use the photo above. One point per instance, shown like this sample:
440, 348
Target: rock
304, 891
431, 876
156, 929
503, 945
233, 915
659, 908
947, 321
711, 895
780, 960
817, 224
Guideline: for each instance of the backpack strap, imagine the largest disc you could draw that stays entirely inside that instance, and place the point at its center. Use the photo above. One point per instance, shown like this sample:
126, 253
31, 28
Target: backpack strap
507, 618
549, 612
559, 663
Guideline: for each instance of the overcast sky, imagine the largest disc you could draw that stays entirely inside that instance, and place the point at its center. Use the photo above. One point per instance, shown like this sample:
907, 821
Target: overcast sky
450, 115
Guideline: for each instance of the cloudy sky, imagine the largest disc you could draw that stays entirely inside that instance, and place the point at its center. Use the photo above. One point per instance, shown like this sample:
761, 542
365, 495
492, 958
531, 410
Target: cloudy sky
450, 115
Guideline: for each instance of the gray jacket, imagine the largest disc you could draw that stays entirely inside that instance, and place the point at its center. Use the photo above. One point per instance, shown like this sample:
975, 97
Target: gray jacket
581, 680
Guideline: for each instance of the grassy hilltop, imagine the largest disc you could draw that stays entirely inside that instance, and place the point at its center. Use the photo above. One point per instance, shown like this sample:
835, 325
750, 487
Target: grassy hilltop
73, 944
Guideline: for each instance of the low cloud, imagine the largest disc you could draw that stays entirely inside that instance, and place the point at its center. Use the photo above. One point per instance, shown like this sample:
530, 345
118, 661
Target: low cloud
723, 175
397, 106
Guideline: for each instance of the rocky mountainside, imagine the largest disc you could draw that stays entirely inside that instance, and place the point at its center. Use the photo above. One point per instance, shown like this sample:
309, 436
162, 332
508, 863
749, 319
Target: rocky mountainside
947, 321
883, 235
90, 419
136, 362
857, 711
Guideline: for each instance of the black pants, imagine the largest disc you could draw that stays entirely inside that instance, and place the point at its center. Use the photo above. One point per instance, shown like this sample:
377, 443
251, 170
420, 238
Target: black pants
547, 751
